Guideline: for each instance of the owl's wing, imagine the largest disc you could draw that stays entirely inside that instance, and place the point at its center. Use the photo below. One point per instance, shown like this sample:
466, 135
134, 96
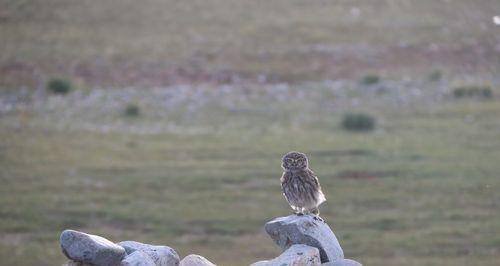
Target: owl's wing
284, 178
314, 178
318, 186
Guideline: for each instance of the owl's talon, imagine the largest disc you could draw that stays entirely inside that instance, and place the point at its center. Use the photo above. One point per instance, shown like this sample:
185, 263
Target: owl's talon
317, 218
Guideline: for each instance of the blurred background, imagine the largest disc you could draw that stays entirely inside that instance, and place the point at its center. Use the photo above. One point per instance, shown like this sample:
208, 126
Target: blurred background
164, 122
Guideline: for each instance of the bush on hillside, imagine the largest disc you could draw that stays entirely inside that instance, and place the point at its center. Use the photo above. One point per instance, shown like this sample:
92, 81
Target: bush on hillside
59, 86
358, 122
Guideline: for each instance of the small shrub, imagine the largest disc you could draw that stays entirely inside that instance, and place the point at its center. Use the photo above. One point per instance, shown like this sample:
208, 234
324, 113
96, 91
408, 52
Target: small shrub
59, 86
370, 79
459, 92
132, 110
473, 91
435, 76
358, 122
487, 92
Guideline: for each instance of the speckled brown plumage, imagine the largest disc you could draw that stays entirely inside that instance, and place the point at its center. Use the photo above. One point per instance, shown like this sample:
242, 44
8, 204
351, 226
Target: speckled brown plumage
300, 185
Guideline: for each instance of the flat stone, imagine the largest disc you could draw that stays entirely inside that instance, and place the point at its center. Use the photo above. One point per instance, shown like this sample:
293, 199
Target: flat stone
342, 262
137, 258
296, 255
91, 249
161, 255
304, 229
195, 260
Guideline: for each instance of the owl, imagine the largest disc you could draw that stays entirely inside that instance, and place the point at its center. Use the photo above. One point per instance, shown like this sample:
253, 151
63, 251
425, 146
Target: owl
299, 185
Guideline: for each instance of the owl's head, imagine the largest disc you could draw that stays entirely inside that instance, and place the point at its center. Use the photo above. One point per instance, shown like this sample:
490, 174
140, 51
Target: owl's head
294, 161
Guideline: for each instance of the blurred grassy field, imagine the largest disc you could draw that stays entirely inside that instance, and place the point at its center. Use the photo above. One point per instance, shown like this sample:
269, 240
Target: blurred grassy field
420, 190
198, 169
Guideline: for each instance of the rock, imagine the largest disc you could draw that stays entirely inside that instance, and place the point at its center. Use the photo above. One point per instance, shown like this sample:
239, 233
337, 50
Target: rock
296, 255
75, 263
138, 258
342, 262
161, 255
304, 229
91, 249
195, 260
260, 263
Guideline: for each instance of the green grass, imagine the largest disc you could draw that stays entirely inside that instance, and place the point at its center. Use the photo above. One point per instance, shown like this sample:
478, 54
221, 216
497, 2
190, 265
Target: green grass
211, 193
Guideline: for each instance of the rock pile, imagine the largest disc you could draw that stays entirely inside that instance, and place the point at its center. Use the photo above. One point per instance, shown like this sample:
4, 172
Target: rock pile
293, 229
91, 250
304, 240
295, 255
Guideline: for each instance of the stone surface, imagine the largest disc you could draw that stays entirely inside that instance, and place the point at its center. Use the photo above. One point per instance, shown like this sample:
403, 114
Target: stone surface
296, 255
304, 229
342, 262
75, 263
161, 255
260, 263
91, 249
195, 260
137, 258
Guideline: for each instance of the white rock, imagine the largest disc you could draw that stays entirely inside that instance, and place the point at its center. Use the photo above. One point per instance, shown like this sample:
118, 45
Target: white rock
342, 262
91, 249
304, 229
137, 258
161, 255
195, 260
296, 255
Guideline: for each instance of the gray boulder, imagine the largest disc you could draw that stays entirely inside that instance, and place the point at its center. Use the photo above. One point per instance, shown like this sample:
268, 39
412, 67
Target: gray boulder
296, 255
195, 260
91, 249
161, 255
138, 258
342, 262
304, 229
